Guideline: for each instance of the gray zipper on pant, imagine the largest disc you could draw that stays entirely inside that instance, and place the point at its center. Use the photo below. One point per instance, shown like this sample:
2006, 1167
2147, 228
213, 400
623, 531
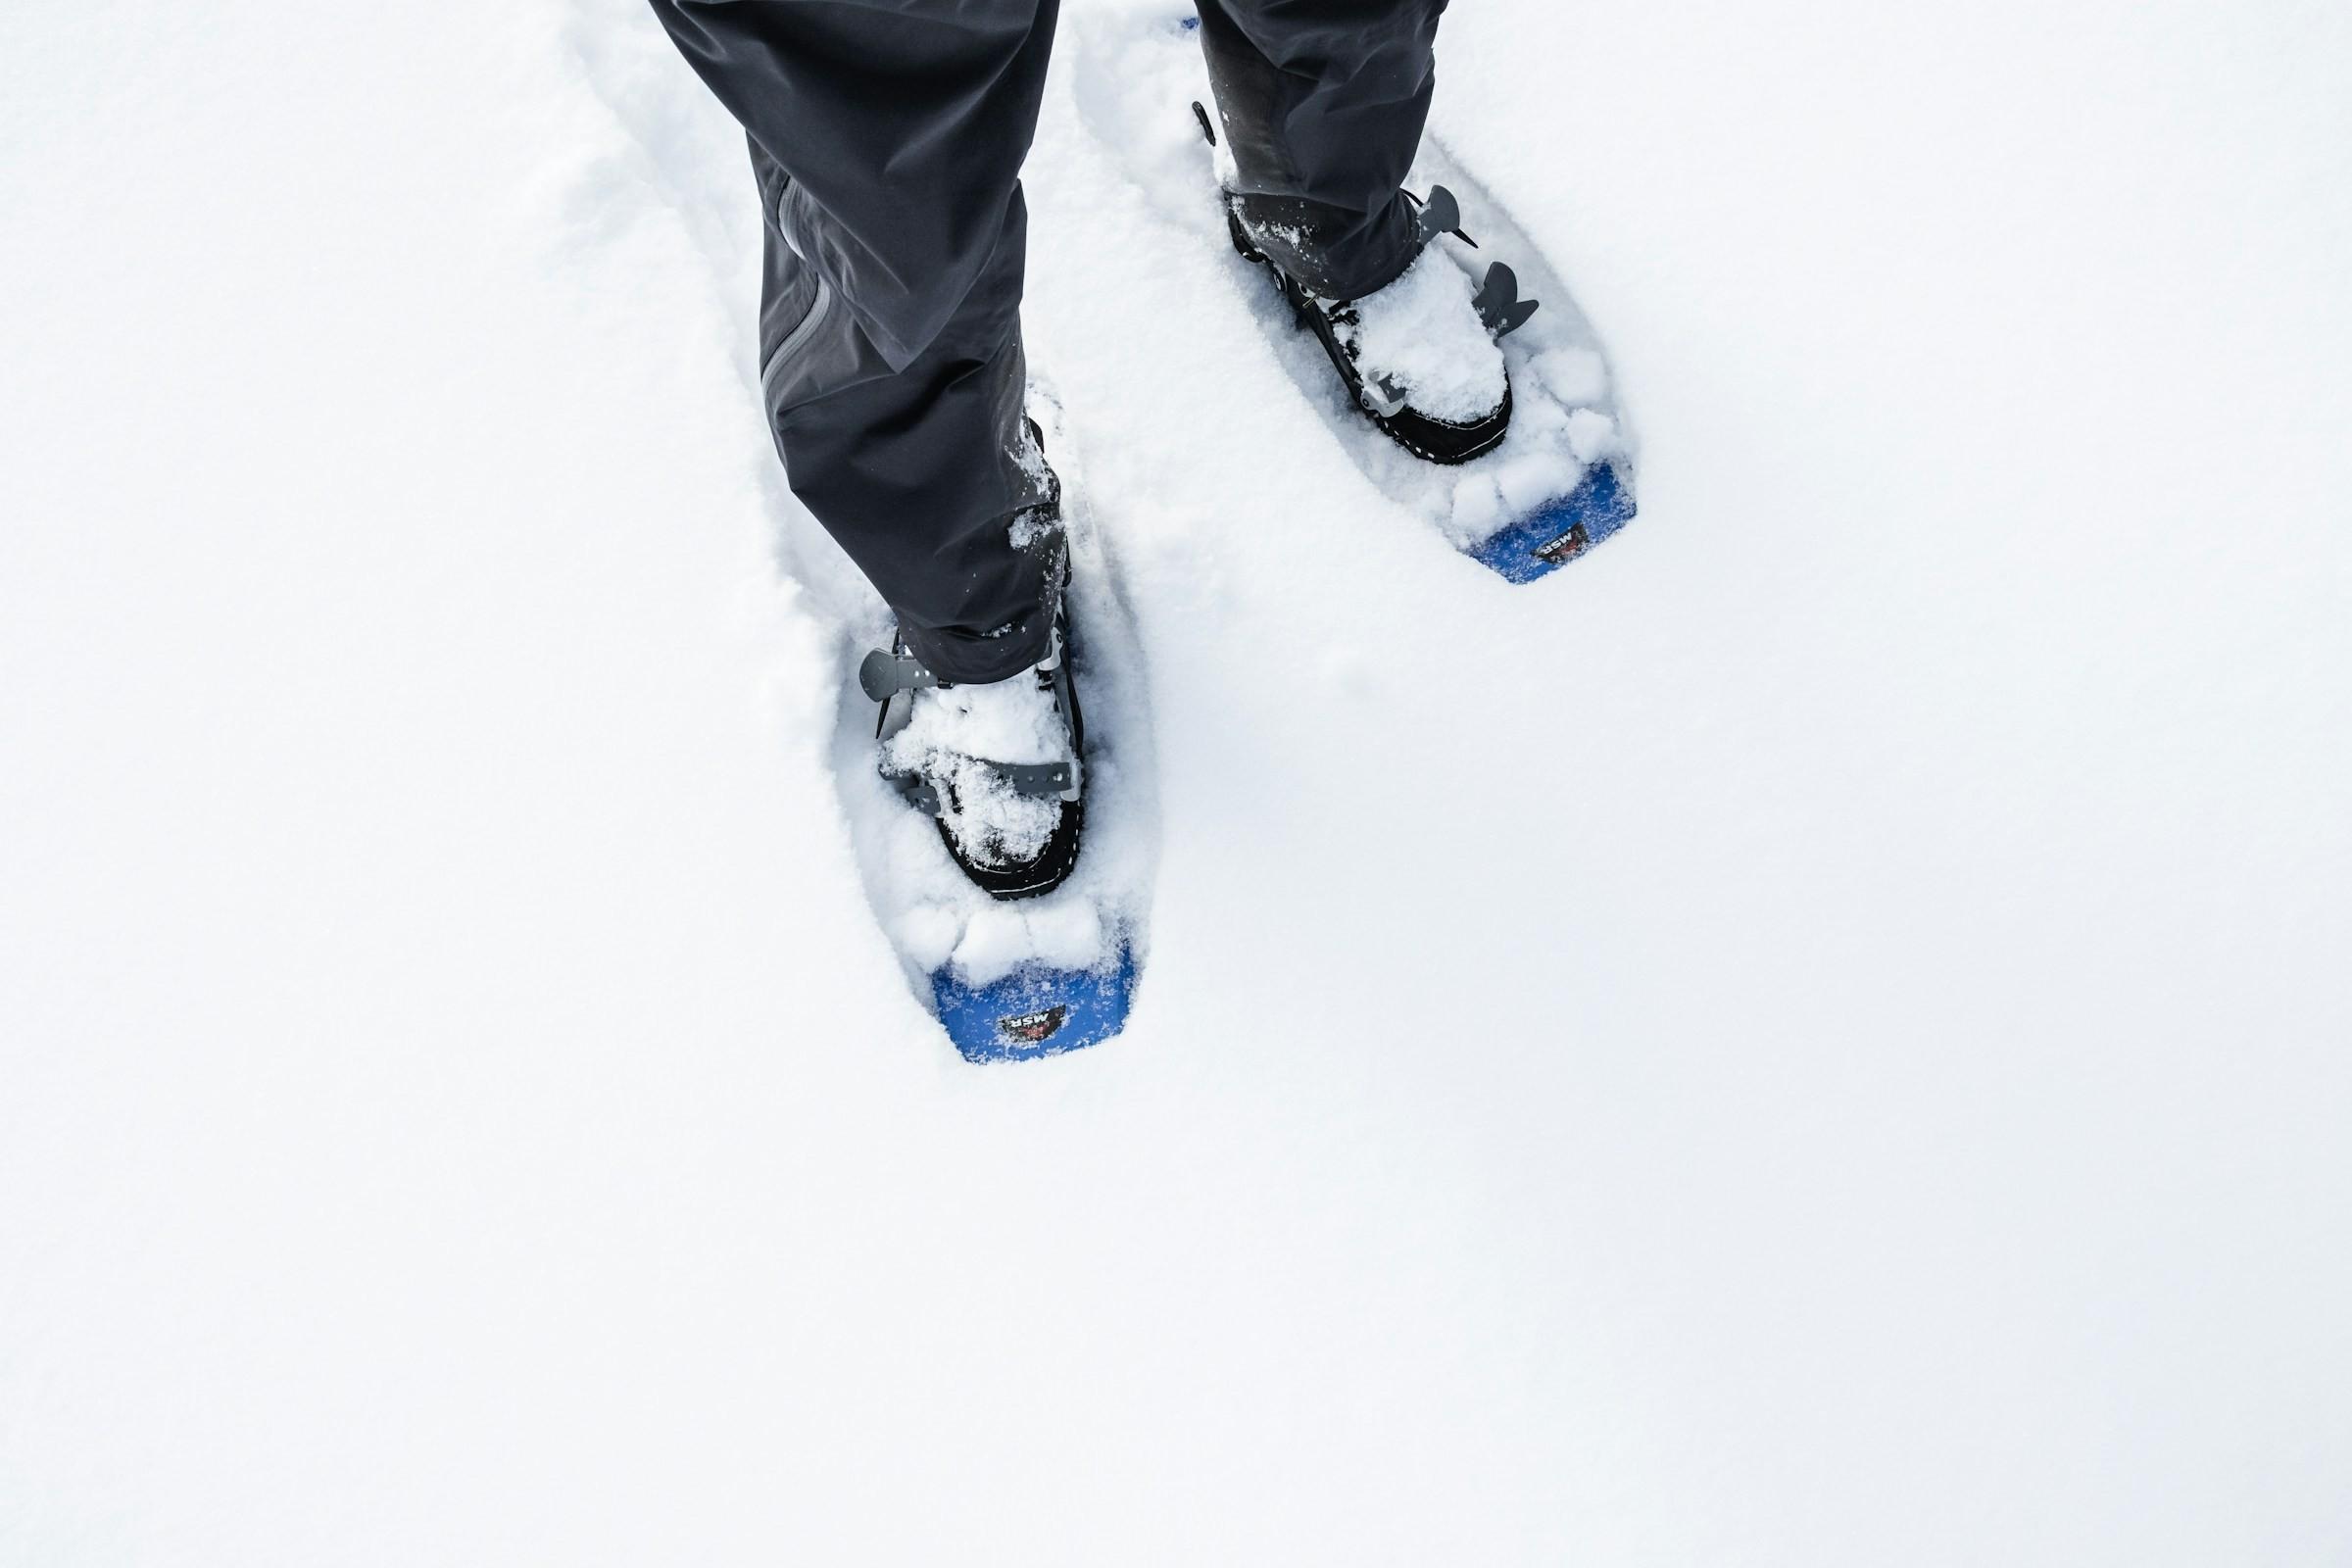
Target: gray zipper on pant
818, 309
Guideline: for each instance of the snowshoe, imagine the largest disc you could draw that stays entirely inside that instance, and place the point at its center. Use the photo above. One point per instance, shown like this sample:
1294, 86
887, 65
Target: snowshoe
1523, 482
1019, 941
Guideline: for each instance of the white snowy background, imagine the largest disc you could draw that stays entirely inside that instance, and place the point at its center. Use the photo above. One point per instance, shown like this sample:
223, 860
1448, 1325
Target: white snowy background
1816, 1036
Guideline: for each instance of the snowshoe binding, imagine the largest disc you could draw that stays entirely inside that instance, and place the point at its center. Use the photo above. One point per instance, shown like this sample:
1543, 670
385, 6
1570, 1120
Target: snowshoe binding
999, 766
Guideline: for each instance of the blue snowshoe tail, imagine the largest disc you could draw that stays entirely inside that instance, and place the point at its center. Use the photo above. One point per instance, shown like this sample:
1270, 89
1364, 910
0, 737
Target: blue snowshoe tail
1562, 530
1035, 1011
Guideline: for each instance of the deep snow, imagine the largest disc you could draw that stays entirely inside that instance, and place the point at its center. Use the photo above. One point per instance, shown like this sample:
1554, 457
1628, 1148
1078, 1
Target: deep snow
1816, 1035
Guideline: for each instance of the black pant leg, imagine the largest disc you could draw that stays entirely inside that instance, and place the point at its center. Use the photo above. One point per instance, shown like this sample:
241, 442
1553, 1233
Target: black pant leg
887, 139
1323, 103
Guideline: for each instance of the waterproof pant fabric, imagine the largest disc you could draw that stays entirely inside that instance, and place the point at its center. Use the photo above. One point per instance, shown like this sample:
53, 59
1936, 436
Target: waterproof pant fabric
1322, 103
887, 138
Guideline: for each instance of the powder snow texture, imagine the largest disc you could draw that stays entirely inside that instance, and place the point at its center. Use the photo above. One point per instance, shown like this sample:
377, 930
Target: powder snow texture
1422, 336
1813, 1037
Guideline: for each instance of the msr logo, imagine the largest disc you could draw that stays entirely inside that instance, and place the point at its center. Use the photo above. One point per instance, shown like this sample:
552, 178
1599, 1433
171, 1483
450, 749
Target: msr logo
1030, 1027
1567, 546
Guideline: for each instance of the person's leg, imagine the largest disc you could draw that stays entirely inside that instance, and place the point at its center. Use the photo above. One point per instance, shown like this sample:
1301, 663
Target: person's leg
1322, 103
886, 137
921, 472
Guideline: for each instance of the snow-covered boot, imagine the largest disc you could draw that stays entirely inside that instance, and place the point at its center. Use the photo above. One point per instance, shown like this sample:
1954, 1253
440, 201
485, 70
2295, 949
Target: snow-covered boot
1421, 355
1001, 764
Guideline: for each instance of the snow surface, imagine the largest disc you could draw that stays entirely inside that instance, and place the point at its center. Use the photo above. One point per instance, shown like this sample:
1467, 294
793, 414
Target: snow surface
1816, 1035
